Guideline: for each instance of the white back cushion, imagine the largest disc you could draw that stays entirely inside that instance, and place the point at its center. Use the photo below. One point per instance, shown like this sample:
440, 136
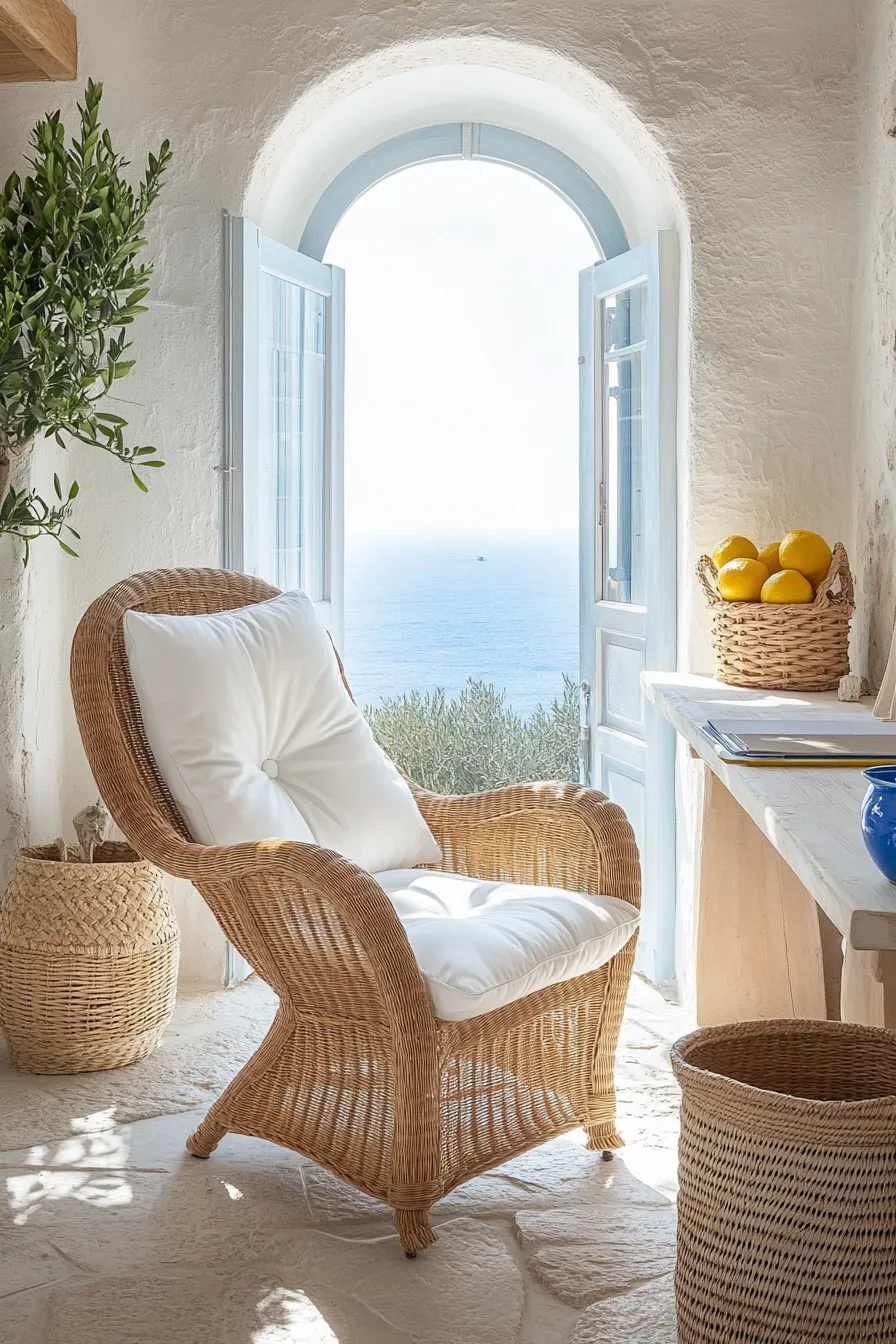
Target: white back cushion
257, 738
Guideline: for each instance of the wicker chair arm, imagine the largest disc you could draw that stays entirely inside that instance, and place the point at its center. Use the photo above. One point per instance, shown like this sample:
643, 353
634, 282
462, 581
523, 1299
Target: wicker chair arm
550, 834
311, 922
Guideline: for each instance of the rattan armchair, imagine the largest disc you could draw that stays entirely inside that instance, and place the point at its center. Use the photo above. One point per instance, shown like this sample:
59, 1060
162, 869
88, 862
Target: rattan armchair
356, 1072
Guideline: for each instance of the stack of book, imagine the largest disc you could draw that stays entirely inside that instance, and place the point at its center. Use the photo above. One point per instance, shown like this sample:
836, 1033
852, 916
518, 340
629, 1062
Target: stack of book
796, 741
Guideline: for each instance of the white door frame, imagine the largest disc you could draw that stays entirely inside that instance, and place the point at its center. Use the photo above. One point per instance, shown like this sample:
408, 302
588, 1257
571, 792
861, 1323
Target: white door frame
249, 253
644, 748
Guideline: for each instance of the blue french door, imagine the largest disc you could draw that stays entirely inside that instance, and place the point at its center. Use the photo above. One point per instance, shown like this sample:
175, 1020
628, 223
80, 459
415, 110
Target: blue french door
286, 419
628, 366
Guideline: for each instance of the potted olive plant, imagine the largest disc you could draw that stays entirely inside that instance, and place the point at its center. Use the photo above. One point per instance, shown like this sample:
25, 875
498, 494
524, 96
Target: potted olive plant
88, 939
71, 232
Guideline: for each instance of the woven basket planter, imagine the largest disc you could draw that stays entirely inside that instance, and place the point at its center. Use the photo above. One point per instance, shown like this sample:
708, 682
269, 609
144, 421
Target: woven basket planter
88, 960
787, 1206
786, 647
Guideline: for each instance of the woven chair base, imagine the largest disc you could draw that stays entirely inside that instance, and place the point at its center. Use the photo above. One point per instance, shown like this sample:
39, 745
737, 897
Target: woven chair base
414, 1226
514, 1084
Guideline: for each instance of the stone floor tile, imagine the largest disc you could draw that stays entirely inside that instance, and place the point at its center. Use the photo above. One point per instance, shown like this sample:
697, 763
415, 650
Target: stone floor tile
585, 1255
645, 1316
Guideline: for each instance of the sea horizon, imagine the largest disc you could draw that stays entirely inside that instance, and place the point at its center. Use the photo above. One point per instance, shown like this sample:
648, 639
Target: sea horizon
425, 612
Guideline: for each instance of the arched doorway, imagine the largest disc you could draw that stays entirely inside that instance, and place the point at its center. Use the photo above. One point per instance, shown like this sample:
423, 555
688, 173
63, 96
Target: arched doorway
628, 376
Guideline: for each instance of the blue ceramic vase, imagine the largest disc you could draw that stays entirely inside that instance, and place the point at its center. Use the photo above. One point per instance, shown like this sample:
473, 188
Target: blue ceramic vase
879, 818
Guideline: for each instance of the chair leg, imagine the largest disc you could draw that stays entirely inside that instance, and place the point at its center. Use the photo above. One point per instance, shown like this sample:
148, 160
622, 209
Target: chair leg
414, 1230
204, 1140
603, 1139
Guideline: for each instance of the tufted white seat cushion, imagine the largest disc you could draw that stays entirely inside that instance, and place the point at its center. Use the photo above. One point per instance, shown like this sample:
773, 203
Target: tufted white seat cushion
482, 944
257, 738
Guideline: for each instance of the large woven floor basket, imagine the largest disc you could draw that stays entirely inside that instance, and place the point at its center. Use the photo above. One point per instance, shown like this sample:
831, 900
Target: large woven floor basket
786, 647
88, 960
787, 1205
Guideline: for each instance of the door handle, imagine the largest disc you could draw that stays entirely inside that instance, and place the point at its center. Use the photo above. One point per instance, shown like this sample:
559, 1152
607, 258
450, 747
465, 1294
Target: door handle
585, 732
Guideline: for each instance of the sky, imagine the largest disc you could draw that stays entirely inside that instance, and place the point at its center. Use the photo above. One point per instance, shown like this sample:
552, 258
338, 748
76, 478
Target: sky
461, 353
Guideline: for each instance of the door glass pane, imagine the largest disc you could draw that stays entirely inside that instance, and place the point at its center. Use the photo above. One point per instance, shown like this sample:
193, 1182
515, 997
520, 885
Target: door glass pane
623, 457
292, 439
625, 318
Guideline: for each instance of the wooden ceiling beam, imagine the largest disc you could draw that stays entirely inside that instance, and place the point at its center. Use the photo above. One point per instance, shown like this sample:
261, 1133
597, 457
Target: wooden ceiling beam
38, 40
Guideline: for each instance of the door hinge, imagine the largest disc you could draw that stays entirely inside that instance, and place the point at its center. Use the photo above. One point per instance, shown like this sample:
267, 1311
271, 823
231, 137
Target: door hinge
601, 504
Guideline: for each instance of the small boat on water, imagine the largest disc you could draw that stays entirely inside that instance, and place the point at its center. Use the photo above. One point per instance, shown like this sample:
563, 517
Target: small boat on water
480, 557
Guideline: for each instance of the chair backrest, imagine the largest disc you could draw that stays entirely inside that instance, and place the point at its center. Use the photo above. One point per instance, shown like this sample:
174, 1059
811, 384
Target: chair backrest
106, 706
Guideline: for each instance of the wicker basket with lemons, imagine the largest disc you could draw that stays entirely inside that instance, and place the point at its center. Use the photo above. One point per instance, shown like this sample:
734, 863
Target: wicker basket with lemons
781, 614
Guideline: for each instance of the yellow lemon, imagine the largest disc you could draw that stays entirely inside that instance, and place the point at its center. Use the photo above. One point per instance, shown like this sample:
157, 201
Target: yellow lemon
734, 548
768, 556
741, 580
806, 552
788, 585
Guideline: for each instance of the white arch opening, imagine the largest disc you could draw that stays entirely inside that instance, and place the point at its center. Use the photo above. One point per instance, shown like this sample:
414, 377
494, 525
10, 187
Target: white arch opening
490, 80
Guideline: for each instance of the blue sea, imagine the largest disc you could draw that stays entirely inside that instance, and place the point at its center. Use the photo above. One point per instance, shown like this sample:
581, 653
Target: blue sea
428, 612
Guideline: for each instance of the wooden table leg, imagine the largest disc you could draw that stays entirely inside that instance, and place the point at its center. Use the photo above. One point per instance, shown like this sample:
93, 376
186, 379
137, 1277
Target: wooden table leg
758, 946
868, 992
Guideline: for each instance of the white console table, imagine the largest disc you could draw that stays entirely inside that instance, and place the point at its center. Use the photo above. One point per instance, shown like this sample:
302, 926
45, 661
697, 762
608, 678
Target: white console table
792, 918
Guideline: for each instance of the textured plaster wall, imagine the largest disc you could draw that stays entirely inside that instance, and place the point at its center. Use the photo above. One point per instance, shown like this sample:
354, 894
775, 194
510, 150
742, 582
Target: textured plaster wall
875, 346
750, 109
32, 657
